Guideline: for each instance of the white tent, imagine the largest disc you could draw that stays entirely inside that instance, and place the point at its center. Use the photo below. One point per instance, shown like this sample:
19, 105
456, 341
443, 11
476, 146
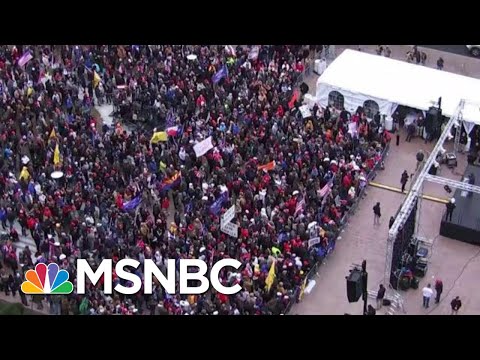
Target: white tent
360, 77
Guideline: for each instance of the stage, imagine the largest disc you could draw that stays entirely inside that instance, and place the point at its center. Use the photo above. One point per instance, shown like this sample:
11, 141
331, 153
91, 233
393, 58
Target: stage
465, 224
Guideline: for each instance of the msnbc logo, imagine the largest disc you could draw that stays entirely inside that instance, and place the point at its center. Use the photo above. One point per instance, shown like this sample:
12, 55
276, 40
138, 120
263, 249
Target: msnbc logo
47, 280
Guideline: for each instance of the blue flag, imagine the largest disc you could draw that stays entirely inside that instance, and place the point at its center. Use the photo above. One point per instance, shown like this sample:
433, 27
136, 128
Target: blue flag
31, 188
216, 207
223, 72
170, 121
132, 204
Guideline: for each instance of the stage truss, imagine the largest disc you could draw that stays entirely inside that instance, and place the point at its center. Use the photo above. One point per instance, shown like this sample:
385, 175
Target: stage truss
416, 191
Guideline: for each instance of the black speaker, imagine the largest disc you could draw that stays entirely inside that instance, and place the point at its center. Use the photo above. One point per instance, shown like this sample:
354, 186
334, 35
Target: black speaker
433, 120
354, 286
430, 120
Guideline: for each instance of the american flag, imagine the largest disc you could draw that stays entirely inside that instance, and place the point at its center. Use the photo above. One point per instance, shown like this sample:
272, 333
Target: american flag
300, 206
327, 188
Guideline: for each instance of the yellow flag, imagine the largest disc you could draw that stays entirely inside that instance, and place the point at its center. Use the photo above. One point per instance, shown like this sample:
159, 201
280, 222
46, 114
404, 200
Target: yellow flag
271, 276
302, 290
53, 134
163, 166
158, 136
56, 155
29, 91
24, 174
96, 79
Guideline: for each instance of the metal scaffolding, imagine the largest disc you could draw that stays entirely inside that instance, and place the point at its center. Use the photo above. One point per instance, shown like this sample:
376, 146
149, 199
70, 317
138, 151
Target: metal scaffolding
458, 131
415, 194
453, 183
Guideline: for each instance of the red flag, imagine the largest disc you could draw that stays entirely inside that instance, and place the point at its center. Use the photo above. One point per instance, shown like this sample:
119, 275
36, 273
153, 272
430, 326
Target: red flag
294, 98
267, 167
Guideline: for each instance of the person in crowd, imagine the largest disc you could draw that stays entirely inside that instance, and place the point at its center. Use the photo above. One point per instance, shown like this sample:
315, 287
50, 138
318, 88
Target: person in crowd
420, 159
411, 128
18, 284
391, 222
423, 58
438, 290
427, 293
403, 180
450, 208
456, 304
380, 296
420, 126
121, 184
418, 57
440, 63
388, 51
371, 310
376, 214
4, 283
409, 57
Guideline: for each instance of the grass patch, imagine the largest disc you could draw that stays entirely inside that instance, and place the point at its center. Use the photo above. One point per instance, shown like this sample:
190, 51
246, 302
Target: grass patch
7, 308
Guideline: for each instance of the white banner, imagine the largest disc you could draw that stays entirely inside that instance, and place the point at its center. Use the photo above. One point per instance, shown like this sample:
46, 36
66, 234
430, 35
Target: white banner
228, 216
203, 147
305, 111
313, 241
230, 229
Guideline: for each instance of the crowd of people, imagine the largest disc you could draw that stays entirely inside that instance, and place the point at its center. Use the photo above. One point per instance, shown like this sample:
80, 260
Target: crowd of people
118, 193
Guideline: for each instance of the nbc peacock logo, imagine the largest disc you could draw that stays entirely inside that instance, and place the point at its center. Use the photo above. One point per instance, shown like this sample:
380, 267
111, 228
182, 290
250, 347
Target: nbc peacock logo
47, 280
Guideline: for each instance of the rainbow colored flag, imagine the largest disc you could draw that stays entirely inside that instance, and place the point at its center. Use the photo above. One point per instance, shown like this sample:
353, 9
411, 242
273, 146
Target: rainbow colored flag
171, 182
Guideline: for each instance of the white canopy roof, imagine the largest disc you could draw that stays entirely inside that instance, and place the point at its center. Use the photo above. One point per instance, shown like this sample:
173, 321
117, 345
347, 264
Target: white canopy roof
388, 81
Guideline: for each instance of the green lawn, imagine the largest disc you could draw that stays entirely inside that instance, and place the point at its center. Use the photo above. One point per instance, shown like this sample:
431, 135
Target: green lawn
7, 308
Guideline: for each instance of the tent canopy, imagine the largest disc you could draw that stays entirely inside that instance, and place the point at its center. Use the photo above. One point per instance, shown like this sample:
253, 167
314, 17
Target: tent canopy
360, 77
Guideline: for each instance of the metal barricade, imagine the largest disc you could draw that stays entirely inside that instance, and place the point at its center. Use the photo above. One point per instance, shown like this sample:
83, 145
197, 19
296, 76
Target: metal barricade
314, 270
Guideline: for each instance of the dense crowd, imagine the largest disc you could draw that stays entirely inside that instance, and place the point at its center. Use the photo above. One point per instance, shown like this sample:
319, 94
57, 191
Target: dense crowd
290, 178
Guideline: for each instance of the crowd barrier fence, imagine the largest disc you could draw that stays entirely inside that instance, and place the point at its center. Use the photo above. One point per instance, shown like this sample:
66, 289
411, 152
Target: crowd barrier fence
296, 293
